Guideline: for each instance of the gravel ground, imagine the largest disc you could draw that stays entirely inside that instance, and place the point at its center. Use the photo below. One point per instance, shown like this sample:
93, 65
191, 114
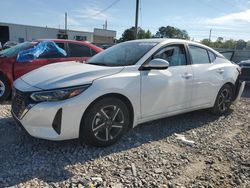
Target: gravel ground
148, 156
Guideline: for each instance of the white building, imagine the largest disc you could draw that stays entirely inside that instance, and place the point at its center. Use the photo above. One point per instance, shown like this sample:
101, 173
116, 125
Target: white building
21, 33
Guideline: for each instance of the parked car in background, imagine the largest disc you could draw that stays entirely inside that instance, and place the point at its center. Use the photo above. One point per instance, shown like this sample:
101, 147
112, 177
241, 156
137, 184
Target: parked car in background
245, 65
11, 69
245, 69
9, 44
123, 86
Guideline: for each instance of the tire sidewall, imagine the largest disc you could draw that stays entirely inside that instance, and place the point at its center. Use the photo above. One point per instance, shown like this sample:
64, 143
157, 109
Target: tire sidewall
7, 88
86, 133
216, 109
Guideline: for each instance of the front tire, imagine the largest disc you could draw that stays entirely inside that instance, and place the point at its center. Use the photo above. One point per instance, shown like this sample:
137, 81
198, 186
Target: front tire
4, 88
104, 122
223, 100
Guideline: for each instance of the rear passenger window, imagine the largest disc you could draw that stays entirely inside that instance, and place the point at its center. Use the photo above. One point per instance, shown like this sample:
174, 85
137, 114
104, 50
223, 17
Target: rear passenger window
77, 50
211, 56
199, 55
61, 45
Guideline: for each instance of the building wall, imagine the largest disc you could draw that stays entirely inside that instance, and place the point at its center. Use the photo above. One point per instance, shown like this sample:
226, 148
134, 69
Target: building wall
103, 40
103, 36
19, 33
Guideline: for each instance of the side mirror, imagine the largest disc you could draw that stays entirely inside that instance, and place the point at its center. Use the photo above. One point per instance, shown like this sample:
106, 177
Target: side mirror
156, 64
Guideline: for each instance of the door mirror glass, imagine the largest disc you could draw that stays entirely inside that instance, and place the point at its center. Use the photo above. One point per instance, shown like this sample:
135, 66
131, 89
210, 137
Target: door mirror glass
156, 64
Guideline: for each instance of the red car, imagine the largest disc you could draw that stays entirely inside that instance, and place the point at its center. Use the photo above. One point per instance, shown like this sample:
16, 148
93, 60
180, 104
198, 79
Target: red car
10, 69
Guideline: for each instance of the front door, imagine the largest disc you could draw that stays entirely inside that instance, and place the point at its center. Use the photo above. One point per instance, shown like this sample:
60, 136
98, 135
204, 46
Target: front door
164, 91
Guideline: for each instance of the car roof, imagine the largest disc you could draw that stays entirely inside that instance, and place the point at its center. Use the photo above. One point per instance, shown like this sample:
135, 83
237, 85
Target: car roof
167, 40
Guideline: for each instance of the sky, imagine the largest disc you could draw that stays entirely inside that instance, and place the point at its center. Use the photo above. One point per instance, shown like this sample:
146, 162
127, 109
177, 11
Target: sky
229, 19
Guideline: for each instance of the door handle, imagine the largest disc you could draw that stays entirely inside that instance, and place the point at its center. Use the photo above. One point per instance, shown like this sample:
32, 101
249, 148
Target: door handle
187, 75
220, 71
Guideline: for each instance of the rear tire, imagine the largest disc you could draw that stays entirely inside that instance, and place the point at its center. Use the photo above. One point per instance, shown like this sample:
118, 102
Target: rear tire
223, 100
4, 88
104, 122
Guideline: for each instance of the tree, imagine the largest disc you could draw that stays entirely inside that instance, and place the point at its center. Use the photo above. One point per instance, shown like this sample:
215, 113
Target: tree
171, 32
228, 44
241, 45
129, 34
206, 42
148, 35
248, 45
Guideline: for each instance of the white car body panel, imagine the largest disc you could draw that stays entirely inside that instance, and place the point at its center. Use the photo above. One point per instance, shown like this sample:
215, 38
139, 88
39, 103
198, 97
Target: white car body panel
165, 90
67, 74
153, 94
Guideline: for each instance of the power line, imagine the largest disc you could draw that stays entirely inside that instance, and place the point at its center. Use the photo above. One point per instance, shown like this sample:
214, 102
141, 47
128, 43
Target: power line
105, 9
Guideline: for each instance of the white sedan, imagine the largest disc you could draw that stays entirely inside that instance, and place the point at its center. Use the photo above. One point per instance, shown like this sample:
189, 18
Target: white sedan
125, 85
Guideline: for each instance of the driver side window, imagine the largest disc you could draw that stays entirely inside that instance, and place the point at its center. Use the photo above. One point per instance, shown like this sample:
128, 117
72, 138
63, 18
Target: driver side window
174, 54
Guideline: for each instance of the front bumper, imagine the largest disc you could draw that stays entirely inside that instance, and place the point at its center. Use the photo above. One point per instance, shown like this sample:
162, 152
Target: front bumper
39, 121
50, 120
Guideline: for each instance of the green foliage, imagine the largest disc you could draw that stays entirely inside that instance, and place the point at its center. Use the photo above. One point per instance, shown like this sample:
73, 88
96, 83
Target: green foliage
227, 44
172, 32
163, 32
129, 34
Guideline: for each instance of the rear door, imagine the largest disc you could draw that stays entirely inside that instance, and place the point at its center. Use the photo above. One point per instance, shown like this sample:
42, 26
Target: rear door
207, 75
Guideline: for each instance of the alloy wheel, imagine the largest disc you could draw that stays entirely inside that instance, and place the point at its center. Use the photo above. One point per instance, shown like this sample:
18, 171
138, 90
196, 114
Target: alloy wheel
224, 100
108, 123
2, 88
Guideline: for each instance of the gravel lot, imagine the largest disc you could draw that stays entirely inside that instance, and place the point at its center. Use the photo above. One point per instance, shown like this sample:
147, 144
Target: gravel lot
148, 156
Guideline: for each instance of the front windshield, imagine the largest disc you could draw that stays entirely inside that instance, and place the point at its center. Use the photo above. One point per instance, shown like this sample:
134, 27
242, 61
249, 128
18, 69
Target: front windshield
13, 51
123, 54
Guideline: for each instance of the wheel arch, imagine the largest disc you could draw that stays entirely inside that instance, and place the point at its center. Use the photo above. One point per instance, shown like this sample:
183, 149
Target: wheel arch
122, 97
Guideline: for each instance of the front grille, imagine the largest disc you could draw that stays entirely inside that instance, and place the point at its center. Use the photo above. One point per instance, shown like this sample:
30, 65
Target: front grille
20, 100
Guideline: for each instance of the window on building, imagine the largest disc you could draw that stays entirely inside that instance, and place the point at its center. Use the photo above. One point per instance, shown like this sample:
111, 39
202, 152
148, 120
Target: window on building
81, 38
20, 40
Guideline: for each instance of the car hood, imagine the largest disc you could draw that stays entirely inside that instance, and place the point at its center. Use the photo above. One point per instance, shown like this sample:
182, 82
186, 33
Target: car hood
245, 63
67, 74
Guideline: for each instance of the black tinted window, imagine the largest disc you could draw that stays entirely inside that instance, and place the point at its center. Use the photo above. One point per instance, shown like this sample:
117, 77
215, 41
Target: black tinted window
175, 55
93, 52
61, 45
76, 50
199, 55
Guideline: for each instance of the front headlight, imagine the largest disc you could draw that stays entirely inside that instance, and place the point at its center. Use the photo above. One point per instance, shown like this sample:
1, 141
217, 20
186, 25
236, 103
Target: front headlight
58, 94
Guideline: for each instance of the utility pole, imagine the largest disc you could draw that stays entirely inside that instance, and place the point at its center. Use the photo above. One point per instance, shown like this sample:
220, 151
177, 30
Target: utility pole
136, 19
66, 20
210, 33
